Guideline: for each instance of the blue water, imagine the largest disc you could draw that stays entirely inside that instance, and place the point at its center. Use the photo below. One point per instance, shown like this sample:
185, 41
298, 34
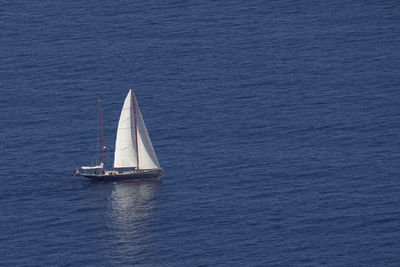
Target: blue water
277, 124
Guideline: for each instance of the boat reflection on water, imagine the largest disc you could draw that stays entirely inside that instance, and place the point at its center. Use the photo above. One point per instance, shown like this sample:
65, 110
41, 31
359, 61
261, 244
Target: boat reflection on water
130, 207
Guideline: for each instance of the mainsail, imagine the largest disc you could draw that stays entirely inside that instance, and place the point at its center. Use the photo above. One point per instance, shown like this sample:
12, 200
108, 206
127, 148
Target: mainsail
129, 152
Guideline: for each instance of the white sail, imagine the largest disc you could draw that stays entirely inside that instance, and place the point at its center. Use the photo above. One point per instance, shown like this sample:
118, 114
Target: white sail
147, 155
125, 144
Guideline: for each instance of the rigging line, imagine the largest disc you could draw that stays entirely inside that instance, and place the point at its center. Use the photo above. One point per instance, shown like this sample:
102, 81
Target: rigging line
101, 134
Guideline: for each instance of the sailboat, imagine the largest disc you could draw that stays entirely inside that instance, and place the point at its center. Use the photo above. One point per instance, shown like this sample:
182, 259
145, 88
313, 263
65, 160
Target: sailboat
134, 157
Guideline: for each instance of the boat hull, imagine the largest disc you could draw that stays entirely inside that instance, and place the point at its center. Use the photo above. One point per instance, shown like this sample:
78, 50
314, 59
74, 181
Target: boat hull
140, 175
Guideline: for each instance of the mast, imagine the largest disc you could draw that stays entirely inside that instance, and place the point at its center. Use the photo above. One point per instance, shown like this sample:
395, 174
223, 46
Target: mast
101, 135
134, 113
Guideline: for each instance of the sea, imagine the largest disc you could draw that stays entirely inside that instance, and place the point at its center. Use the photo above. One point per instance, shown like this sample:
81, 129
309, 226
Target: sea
277, 124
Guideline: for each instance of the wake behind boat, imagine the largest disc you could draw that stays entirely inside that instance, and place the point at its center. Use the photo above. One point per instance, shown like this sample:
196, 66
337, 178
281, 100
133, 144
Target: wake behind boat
134, 152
